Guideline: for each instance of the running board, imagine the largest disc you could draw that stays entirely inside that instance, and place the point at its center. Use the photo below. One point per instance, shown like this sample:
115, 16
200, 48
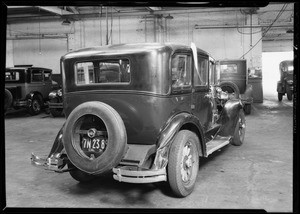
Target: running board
217, 143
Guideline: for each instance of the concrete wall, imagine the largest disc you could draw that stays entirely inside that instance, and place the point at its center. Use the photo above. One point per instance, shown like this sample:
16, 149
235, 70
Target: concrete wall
219, 42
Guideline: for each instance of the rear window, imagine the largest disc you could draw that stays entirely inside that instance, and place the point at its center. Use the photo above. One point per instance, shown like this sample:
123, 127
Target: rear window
112, 71
229, 68
14, 75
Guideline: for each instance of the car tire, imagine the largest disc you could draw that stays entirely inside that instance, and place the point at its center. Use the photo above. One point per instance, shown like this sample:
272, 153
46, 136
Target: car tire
79, 175
240, 130
289, 93
36, 105
55, 112
280, 97
247, 109
230, 88
8, 99
105, 118
183, 163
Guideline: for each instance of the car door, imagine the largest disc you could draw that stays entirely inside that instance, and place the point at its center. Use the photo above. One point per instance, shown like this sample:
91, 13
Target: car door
201, 98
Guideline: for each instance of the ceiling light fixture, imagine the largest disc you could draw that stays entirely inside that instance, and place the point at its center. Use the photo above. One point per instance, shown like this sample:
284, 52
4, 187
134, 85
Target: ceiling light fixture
66, 22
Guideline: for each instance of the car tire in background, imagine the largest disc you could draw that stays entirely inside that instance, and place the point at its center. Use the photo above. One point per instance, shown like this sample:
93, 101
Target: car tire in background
36, 105
230, 88
55, 112
101, 118
280, 95
79, 175
289, 93
247, 109
8, 99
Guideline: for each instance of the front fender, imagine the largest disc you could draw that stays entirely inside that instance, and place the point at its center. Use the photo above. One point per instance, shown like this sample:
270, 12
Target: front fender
229, 117
168, 132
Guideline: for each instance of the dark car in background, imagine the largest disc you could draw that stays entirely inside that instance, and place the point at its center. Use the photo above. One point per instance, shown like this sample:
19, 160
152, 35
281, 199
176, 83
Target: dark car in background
27, 87
233, 78
145, 112
285, 84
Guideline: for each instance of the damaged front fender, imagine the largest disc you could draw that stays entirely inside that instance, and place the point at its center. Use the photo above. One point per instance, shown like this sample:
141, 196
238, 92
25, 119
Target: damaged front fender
56, 159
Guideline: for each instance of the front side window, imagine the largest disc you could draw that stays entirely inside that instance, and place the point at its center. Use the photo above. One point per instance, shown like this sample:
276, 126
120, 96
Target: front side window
201, 76
105, 71
47, 75
181, 71
37, 76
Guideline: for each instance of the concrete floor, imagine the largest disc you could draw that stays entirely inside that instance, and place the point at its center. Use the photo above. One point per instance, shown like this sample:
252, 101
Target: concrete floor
256, 175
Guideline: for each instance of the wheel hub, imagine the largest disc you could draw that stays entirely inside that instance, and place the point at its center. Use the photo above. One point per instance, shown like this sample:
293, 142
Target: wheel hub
187, 163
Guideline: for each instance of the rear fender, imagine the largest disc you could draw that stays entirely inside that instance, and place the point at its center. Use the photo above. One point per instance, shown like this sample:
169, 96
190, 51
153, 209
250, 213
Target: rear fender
229, 117
247, 97
57, 146
173, 126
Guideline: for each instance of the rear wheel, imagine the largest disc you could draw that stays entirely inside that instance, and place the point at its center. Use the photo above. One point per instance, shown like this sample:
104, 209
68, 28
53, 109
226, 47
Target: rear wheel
183, 163
8, 99
36, 105
79, 175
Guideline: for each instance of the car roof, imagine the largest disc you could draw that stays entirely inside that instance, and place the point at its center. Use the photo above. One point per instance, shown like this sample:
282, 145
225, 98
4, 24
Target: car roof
120, 49
26, 67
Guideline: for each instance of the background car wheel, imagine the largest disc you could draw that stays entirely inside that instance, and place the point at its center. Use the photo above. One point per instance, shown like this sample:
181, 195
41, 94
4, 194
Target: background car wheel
240, 129
280, 96
8, 99
247, 108
230, 88
36, 105
183, 163
289, 93
108, 132
79, 175
55, 112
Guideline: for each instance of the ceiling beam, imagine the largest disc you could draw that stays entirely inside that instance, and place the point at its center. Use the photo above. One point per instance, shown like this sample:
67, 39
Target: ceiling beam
56, 10
73, 9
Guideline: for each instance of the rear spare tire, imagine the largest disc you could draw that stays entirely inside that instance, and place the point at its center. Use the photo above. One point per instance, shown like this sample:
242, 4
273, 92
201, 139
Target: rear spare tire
95, 137
230, 88
8, 99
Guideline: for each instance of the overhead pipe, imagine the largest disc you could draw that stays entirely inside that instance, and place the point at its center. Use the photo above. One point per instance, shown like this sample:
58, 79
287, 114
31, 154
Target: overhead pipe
236, 26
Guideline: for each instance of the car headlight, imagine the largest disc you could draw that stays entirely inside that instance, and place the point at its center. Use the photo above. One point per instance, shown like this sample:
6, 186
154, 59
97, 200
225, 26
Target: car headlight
290, 82
59, 92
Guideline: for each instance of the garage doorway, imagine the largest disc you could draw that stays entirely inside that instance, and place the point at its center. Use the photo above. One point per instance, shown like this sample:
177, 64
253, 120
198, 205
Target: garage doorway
270, 69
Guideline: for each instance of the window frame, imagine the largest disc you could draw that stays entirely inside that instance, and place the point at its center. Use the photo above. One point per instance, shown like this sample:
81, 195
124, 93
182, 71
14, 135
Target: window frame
206, 86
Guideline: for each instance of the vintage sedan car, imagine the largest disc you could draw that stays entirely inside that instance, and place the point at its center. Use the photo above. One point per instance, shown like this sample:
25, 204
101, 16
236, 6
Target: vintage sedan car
145, 112
56, 103
233, 78
27, 86
285, 85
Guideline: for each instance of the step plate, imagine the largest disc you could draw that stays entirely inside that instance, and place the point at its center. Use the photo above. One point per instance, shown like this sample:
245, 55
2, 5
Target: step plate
217, 143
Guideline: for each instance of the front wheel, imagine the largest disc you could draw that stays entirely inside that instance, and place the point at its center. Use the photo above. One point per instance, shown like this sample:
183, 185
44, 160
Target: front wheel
247, 109
289, 93
36, 106
55, 112
240, 129
183, 163
280, 96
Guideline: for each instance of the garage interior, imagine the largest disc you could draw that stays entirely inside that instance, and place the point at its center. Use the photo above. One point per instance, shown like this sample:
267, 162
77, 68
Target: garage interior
257, 175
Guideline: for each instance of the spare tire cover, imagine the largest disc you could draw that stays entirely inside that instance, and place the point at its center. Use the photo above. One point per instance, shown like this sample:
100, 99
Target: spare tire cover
116, 142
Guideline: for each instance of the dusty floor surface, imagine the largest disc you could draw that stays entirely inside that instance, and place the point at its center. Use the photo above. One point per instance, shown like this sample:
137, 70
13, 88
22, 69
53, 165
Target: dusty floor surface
256, 175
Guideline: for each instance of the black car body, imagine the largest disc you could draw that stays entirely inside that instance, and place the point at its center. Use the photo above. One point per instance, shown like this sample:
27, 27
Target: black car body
233, 78
27, 86
55, 103
135, 109
285, 84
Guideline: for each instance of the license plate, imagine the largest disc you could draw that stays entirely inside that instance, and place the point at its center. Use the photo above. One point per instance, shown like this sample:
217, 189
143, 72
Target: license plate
95, 144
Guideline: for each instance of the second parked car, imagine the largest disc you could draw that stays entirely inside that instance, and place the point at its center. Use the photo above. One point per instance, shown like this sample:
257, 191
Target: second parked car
28, 87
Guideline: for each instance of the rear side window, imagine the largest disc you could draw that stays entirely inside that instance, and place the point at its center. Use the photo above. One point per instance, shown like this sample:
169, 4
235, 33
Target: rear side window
12, 76
181, 70
113, 71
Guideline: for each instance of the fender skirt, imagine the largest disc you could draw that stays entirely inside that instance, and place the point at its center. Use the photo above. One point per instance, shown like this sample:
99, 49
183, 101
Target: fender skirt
168, 133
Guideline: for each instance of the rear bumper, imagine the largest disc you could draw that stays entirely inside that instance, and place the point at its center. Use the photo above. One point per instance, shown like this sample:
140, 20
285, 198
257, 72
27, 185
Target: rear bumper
132, 175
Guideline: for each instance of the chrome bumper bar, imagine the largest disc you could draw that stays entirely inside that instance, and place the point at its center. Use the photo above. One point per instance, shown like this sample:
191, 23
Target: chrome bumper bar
55, 105
53, 163
131, 175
